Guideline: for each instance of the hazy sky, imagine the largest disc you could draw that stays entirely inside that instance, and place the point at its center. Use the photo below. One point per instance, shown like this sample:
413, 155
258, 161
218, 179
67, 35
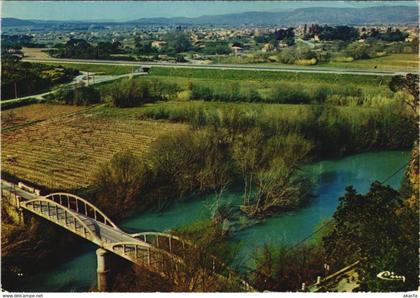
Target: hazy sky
130, 10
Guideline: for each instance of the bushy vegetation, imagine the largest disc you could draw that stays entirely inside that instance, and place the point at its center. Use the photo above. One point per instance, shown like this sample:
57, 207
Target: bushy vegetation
344, 33
80, 48
261, 147
277, 88
98, 68
353, 130
288, 35
134, 93
268, 76
85, 95
19, 79
231, 94
119, 183
216, 48
380, 230
208, 160
18, 41
298, 53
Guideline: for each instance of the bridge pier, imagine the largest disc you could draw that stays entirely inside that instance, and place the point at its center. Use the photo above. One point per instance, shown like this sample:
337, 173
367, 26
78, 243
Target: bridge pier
19, 210
102, 270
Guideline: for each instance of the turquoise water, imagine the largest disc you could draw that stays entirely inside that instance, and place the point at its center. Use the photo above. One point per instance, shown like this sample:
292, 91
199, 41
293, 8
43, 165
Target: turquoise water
330, 177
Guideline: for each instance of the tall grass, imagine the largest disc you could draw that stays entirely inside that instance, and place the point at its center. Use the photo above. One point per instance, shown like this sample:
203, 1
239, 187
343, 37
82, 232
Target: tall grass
263, 76
333, 131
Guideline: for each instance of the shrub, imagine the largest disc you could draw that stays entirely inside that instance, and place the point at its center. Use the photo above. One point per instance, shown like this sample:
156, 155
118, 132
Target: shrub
287, 94
311, 61
86, 95
119, 182
130, 93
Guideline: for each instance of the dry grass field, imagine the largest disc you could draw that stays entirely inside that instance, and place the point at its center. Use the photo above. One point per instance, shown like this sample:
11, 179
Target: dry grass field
65, 149
35, 53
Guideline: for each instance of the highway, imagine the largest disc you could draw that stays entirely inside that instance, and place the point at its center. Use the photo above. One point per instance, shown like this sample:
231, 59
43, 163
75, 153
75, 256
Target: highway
295, 69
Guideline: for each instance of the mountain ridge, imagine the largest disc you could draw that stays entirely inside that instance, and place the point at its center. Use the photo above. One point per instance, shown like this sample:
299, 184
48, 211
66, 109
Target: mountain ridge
310, 15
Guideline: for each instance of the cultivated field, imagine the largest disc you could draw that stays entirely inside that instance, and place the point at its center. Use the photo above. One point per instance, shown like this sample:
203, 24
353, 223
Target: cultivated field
63, 150
24, 115
35, 53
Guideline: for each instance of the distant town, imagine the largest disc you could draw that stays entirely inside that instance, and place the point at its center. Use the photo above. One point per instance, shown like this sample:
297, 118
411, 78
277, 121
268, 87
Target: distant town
209, 44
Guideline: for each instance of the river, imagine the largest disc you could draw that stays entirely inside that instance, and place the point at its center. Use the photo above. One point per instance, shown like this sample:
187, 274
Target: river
330, 177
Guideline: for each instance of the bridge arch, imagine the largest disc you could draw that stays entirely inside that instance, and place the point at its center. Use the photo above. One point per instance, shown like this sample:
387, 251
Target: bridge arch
61, 215
71, 201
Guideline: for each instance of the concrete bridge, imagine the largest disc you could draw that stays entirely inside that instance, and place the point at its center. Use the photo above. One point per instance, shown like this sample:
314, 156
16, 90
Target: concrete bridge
162, 253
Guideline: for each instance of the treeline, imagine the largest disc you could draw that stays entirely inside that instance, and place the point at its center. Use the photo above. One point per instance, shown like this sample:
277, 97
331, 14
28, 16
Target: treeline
122, 94
135, 93
390, 34
80, 48
18, 41
208, 160
302, 54
260, 149
333, 131
23, 78
83, 95
288, 35
348, 33
344, 33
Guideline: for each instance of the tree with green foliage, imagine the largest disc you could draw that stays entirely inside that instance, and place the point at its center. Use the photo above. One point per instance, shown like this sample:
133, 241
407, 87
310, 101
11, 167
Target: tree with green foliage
345, 33
84, 95
130, 93
377, 230
178, 41
20, 79
357, 50
409, 84
144, 47
80, 48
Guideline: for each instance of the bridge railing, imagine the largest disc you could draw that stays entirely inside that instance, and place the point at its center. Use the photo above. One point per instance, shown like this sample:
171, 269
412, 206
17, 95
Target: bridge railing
62, 216
81, 206
184, 249
158, 260
27, 188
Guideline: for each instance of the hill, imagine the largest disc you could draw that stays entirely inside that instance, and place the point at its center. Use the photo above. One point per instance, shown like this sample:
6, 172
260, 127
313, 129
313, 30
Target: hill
322, 15
383, 15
